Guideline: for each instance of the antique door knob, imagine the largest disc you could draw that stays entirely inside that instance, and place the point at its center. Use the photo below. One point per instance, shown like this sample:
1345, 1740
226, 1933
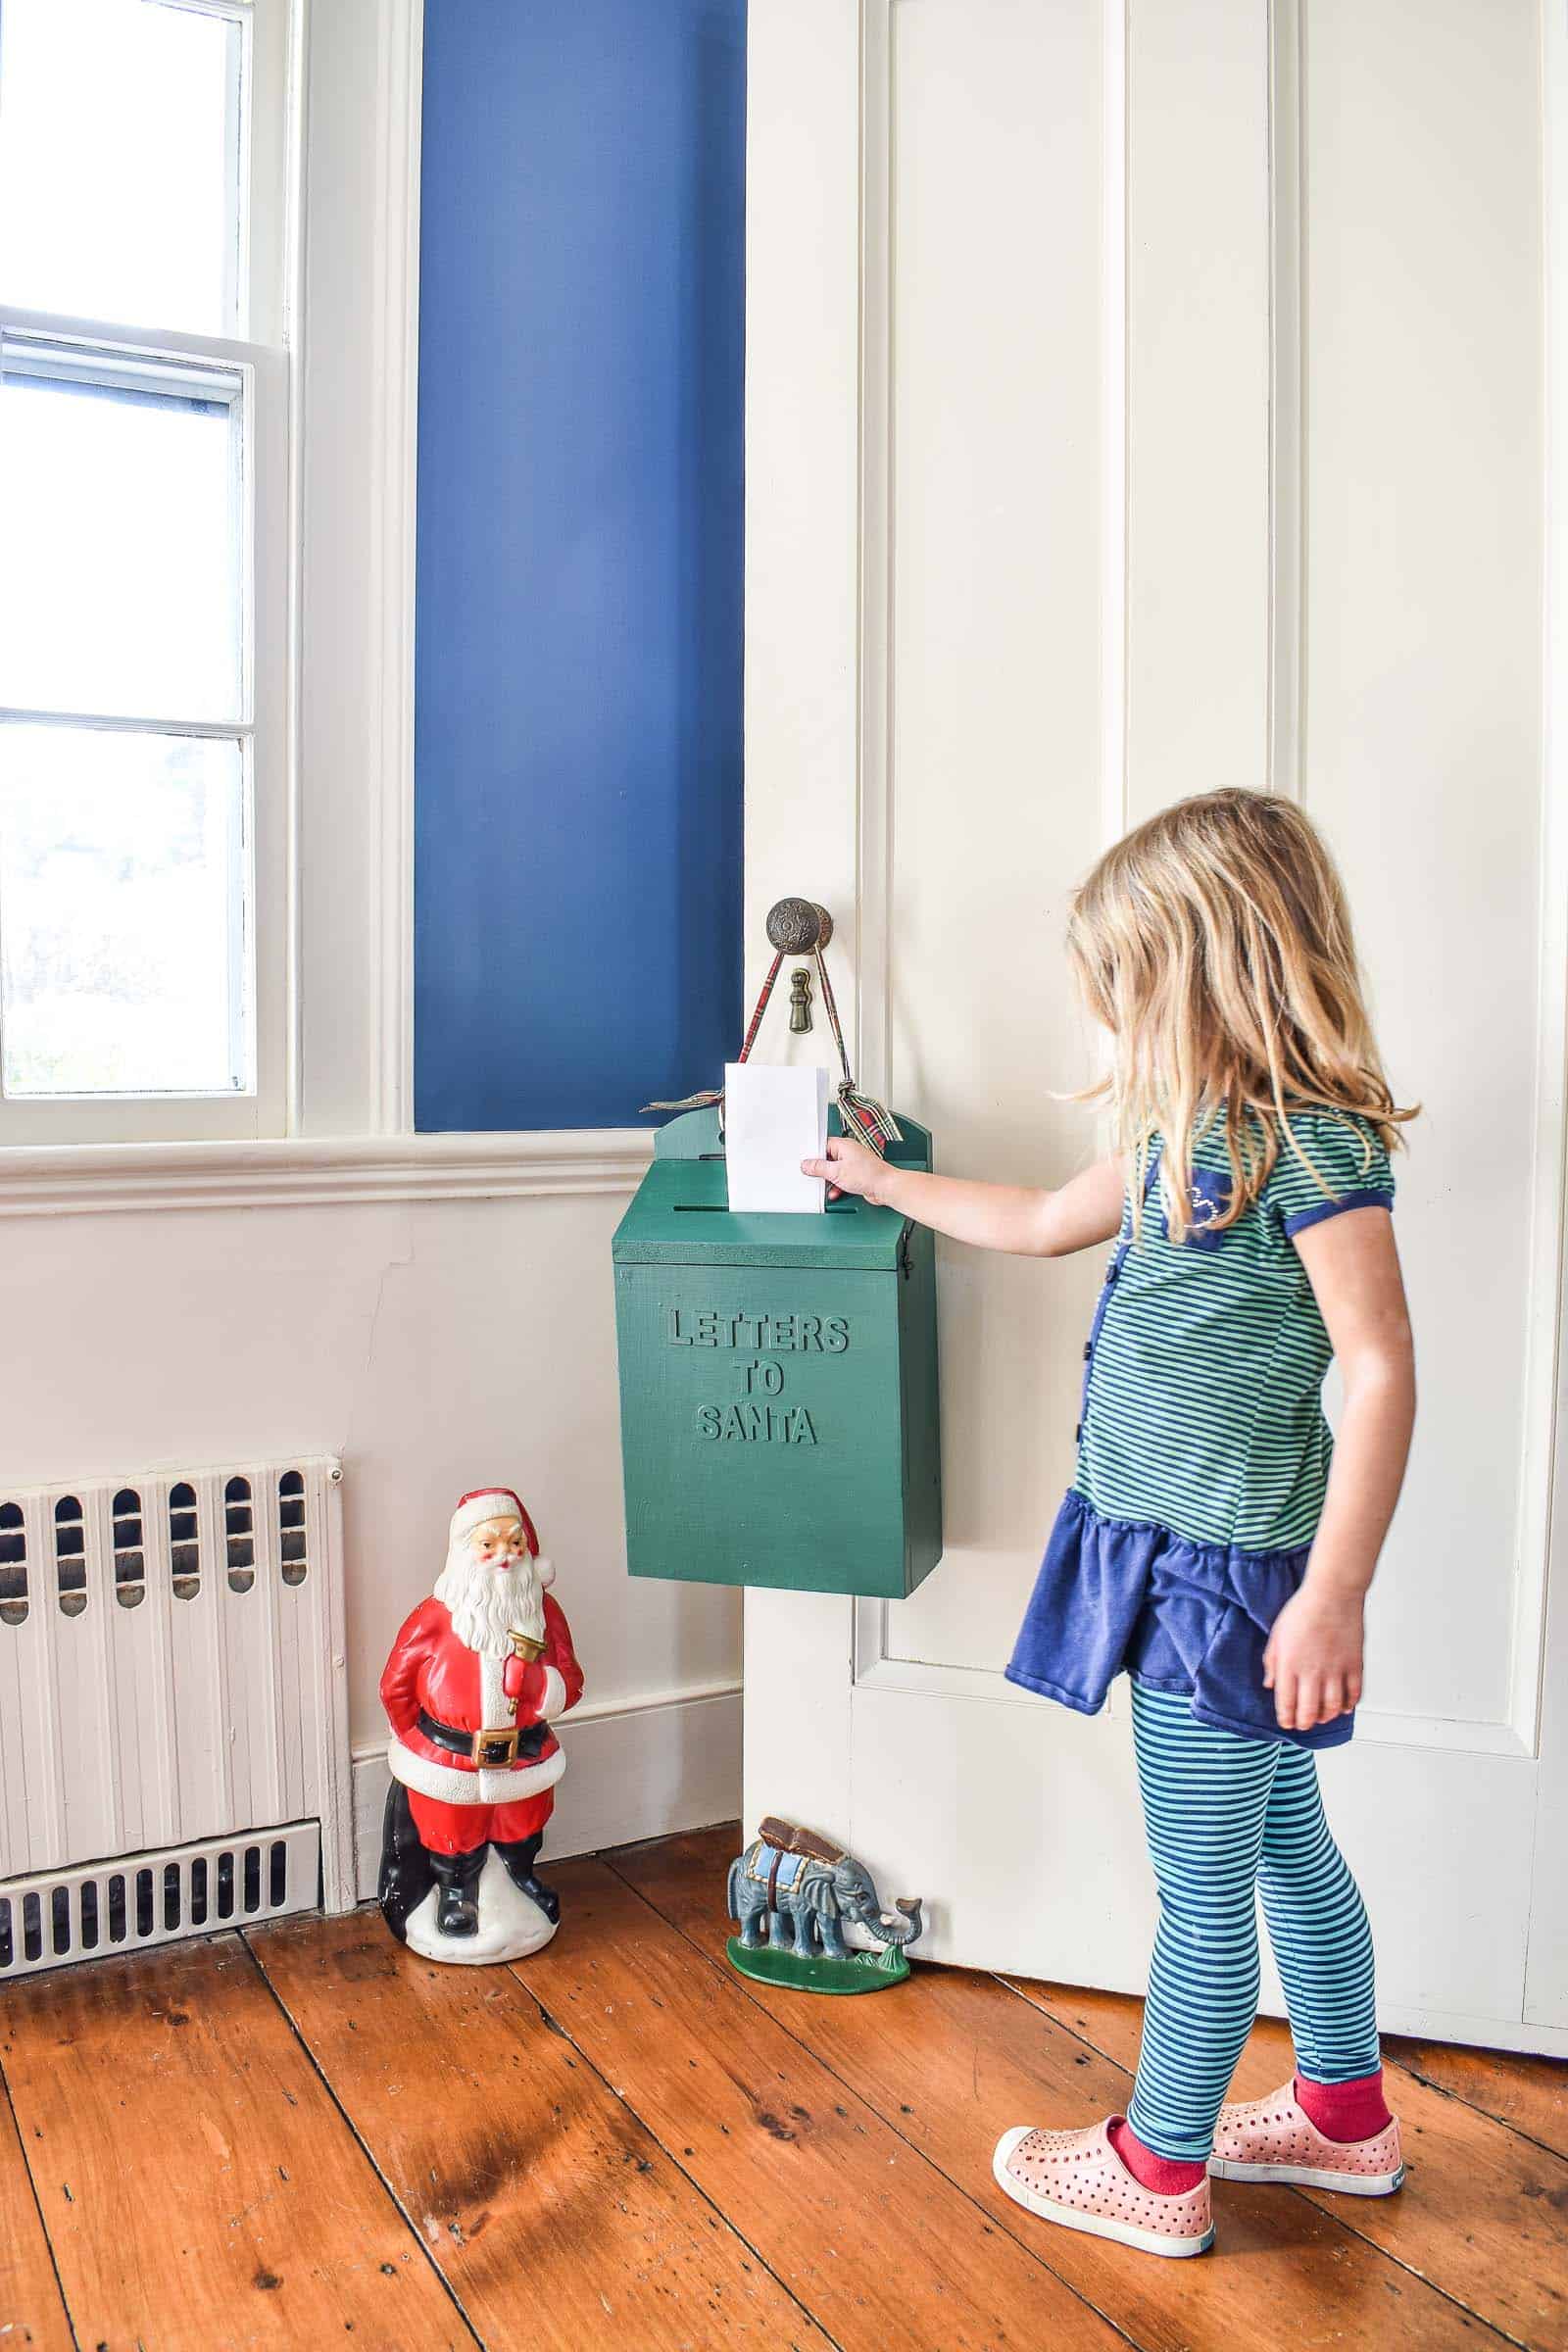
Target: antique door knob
797, 926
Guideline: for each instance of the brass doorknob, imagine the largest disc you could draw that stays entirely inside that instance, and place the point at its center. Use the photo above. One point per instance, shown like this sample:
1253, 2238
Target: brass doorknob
798, 926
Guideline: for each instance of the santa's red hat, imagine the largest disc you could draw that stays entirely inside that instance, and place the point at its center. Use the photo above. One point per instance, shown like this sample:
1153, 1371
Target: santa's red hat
497, 1502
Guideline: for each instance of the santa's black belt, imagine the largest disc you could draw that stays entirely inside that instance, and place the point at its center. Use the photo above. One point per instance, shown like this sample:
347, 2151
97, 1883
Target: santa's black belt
501, 1746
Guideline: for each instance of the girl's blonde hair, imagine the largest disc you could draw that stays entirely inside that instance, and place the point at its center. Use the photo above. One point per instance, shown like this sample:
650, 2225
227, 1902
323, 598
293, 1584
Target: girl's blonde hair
1214, 943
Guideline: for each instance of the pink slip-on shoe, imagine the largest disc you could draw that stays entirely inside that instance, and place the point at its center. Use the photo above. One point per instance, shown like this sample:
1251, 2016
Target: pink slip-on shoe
1275, 2139
1077, 2178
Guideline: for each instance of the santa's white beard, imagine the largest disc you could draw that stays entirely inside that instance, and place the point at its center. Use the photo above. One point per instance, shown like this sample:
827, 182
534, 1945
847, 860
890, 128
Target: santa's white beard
487, 1605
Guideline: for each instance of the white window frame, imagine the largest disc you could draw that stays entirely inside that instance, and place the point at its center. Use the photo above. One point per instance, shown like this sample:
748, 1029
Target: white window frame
339, 854
265, 135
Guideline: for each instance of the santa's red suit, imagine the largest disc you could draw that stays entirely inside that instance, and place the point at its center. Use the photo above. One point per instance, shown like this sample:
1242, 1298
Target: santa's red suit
501, 1786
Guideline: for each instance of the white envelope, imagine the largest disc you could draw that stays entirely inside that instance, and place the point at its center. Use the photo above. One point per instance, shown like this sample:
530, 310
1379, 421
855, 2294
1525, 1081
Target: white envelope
774, 1117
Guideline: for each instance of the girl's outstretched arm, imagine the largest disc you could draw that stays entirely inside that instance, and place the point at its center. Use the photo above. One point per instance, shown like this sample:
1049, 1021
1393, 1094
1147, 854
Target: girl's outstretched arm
991, 1216
1313, 1660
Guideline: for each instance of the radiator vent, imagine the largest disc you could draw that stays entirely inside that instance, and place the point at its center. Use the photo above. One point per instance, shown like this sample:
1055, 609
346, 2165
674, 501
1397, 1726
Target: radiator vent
171, 1673
52, 1918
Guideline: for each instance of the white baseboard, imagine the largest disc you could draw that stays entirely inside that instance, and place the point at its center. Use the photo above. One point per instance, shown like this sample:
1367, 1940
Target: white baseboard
1477, 2033
635, 1768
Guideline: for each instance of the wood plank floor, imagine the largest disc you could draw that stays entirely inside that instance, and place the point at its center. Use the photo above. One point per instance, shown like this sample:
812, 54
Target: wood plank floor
304, 2135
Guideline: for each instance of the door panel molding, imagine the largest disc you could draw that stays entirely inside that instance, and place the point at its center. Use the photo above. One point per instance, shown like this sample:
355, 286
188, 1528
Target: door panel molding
1547, 1974
875, 1669
1517, 1731
874, 617
803, 689
869, 1745
1287, 224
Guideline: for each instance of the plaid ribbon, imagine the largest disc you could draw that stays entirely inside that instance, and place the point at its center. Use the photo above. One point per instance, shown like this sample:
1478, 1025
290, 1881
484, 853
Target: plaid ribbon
862, 1115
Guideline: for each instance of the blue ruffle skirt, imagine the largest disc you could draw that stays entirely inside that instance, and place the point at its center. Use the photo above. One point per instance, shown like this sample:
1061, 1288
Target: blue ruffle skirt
1194, 1618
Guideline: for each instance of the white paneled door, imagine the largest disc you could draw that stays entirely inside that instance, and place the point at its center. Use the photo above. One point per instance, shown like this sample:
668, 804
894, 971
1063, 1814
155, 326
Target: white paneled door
1140, 402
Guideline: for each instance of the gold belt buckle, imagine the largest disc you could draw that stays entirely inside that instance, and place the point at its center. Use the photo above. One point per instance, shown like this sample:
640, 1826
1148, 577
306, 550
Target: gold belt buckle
499, 1746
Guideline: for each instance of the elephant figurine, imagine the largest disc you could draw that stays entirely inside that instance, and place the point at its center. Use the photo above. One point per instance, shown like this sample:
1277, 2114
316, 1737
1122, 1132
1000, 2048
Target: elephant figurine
804, 1888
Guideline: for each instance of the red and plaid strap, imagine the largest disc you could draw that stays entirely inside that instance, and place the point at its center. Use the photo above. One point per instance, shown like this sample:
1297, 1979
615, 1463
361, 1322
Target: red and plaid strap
750, 1039
706, 1101
862, 1117
861, 1114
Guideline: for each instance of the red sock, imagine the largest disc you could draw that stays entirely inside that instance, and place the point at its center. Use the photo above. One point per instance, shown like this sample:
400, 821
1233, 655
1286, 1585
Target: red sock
1344, 2110
1164, 2175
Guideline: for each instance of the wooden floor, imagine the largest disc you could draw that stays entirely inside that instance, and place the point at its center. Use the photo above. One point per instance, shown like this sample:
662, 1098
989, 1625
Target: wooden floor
302, 2135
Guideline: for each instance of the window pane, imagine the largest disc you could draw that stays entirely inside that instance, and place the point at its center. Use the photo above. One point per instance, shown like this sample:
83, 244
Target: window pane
121, 913
119, 194
119, 579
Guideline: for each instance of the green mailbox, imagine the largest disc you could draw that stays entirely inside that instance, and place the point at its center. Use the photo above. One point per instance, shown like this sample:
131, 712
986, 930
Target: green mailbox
778, 1382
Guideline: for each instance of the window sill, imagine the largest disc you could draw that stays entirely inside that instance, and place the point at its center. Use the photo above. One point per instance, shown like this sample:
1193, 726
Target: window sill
297, 1172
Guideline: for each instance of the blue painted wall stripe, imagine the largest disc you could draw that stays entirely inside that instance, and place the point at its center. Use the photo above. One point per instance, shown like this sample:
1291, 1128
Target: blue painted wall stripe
577, 731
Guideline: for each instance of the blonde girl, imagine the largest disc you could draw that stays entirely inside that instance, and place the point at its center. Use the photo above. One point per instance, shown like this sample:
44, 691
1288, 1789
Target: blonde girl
1216, 1544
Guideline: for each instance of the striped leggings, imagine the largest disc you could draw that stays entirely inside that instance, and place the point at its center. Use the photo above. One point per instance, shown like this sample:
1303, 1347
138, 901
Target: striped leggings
1228, 1818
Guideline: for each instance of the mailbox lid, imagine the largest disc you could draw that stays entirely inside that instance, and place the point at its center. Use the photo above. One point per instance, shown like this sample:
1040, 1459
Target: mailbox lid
680, 1217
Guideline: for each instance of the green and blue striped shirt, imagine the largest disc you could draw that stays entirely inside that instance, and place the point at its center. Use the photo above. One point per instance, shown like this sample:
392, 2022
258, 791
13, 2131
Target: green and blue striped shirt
1203, 1407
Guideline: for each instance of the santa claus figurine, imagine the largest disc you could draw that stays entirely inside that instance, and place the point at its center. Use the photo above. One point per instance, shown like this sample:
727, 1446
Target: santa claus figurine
476, 1678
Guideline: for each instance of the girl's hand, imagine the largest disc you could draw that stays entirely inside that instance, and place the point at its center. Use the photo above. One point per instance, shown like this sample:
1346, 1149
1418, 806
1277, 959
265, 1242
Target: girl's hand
849, 1167
990, 1216
1313, 1660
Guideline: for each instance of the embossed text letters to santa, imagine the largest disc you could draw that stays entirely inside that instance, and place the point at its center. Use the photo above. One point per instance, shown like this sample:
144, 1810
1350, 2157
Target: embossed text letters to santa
778, 1383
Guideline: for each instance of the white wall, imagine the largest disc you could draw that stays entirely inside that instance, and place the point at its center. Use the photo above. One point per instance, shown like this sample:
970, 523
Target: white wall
434, 1344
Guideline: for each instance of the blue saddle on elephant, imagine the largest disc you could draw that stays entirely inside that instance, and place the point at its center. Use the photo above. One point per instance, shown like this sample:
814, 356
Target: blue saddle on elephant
771, 1867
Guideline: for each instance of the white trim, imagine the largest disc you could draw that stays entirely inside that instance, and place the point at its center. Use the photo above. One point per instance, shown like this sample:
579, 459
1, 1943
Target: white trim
394, 471
101, 722
291, 327
52, 1180
634, 1704
1541, 1683
812, 97
1473, 2028
258, 726
1115, 777
1546, 1373
354, 880
645, 1765
274, 559
553, 1701
337, 1808
132, 339
874, 551
1544, 1369
269, 155
874, 1670
271, 54
1480, 2033
1287, 396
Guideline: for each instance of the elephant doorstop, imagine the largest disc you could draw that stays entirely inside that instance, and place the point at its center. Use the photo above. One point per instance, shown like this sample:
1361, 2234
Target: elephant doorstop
793, 1894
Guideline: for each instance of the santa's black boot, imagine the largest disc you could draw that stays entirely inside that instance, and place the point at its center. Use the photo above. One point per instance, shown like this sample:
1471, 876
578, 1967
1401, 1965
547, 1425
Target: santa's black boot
457, 1878
520, 1857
